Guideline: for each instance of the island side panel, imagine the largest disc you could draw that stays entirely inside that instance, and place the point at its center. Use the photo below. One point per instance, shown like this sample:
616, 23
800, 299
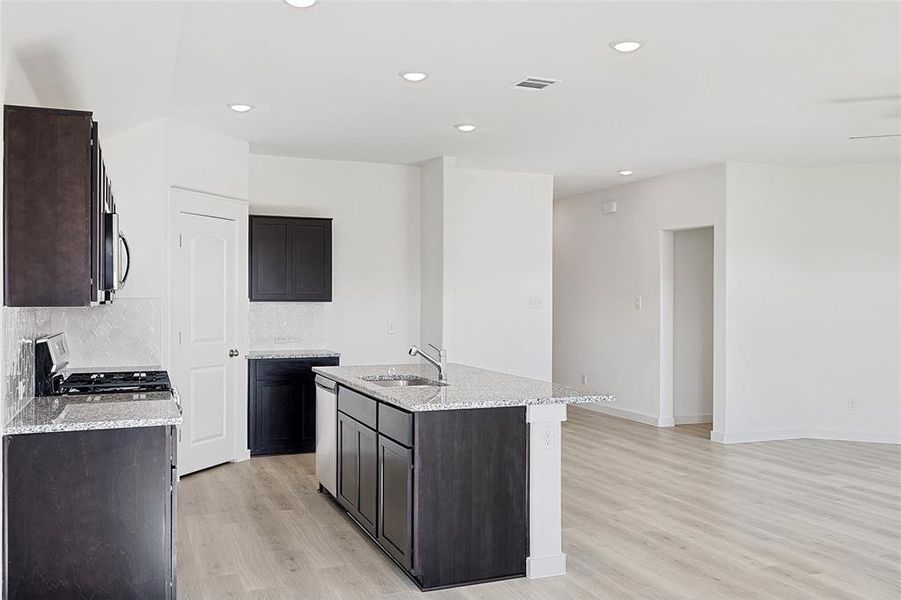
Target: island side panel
546, 557
470, 495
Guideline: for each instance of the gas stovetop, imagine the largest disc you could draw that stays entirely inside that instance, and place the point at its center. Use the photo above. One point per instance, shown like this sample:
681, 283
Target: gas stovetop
115, 382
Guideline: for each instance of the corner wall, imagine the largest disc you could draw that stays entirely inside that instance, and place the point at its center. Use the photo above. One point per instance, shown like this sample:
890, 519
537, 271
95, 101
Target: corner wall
487, 267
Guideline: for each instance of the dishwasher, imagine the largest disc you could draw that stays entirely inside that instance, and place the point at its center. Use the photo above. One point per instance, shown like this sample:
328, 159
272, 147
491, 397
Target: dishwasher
327, 433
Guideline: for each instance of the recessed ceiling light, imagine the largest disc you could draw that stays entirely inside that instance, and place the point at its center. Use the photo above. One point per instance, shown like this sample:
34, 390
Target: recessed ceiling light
301, 3
414, 76
465, 127
625, 46
241, 108
626, 172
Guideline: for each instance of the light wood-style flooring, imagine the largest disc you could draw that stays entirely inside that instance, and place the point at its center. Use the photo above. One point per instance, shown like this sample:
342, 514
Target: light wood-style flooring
648, 513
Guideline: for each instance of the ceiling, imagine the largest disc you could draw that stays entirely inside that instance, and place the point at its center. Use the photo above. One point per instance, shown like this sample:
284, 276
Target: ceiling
773, 82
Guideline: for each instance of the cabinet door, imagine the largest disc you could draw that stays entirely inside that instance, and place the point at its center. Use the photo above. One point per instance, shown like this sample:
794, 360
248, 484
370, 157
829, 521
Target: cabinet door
270, 266
284, 417
367, 509
348, 463
396, 500
46, 207
111, 538
311, 258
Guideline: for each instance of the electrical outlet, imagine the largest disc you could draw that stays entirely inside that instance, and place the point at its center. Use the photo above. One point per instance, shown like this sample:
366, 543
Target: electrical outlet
548, 440
638, 303
534, 302
391, 329
584, 378
852, 404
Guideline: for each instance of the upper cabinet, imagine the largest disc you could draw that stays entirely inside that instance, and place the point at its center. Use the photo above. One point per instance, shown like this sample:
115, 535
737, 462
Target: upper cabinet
290, 259
62, 246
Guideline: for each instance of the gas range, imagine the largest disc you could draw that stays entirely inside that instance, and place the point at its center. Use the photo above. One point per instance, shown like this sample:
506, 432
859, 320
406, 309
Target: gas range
113, 382
51, 357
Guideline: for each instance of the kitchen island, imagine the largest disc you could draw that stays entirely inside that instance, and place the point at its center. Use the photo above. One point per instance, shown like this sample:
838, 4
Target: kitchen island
457, 481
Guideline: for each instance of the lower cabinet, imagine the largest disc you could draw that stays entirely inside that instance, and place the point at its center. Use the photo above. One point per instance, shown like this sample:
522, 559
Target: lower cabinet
358, 471
90, 514
464, 471
395, 522
282, 405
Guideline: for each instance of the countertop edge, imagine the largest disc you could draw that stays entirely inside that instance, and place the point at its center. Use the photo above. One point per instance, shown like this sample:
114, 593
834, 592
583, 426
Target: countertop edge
93, 426
275, 354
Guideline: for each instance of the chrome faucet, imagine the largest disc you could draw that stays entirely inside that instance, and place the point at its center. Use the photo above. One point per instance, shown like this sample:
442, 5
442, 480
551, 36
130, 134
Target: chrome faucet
440, 363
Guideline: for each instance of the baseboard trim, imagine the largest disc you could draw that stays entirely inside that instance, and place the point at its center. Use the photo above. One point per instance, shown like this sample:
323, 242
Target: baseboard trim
812, 434
693, 419
545, 566
622, 413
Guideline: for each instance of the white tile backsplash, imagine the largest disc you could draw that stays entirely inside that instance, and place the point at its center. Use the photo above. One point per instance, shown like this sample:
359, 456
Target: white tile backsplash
124, 333
274, 325
18, 333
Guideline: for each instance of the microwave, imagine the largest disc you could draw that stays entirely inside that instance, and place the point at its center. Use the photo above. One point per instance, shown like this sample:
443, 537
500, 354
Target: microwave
110, 252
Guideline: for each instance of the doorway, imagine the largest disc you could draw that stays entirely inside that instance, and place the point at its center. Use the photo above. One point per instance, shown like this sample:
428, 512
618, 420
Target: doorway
206, 363
687, 332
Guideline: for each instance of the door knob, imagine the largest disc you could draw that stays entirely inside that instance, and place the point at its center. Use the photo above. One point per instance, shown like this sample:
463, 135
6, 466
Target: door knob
233, 352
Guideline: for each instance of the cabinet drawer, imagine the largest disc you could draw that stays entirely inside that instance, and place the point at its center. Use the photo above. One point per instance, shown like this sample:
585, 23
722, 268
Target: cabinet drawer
358, 406
289, 368
396, 424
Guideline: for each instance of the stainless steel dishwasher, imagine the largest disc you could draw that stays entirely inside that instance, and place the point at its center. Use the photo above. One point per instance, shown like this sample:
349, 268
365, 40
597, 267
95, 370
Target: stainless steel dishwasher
327, 433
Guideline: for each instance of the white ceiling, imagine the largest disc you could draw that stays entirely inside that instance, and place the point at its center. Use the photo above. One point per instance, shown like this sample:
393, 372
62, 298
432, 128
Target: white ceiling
774, 82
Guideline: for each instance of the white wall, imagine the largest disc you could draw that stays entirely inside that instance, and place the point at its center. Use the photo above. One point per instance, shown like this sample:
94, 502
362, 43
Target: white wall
693, 325
436, 186
813, 302
144, 163
376, 248
603, 263
498, 261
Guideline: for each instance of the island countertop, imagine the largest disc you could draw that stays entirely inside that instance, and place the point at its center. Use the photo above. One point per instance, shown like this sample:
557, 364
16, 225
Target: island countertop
48, 414
467, 387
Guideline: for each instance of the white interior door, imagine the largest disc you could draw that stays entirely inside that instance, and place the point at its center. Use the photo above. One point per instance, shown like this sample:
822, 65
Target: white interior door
203, 317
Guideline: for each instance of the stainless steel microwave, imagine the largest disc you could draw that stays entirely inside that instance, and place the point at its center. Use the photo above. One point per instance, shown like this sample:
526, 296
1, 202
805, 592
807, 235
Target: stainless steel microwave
111, 253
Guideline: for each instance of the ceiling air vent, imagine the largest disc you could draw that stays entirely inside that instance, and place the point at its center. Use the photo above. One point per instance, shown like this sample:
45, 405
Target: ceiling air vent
536, 83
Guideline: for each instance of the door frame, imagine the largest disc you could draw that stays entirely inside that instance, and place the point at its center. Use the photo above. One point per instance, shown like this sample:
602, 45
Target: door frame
667, 338
184, 199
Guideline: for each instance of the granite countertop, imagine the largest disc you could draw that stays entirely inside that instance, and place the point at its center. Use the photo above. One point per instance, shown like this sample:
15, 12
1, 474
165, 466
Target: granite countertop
46, 414
468, 387
290, 353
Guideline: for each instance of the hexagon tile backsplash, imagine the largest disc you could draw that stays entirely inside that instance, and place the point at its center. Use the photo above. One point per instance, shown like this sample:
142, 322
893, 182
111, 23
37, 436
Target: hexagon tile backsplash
124, 333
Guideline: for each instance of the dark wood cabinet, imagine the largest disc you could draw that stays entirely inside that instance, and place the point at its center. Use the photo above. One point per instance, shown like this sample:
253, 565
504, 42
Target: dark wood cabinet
282, 405
444, 493
358, 471
90, 514
290, 259
395, 522
48, 207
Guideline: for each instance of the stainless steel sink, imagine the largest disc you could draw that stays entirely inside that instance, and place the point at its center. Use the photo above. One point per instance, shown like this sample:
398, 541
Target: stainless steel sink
402, 381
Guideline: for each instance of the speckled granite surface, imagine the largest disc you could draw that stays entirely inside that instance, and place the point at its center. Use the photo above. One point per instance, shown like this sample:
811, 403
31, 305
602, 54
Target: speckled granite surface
290, 353
96, 411
468, 387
